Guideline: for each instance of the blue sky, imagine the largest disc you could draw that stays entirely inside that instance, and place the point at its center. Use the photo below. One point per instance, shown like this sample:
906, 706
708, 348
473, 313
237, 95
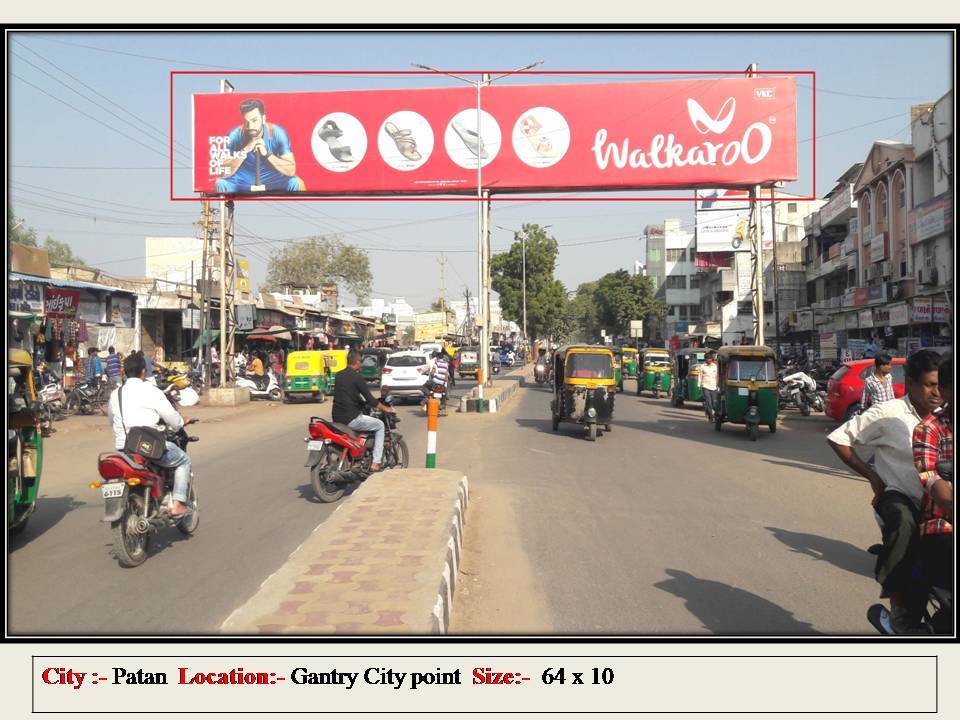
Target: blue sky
87, 154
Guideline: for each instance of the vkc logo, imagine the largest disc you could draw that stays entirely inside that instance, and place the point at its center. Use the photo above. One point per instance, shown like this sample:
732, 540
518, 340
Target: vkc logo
765, 93
717, 124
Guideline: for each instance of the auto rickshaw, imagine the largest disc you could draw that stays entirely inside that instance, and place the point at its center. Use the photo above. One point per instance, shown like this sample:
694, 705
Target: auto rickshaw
653, 368
618, 367
686, 375
335, 360
372, 362
584, 387
748, 389
307, 376
24, 440
469, 361
629, 362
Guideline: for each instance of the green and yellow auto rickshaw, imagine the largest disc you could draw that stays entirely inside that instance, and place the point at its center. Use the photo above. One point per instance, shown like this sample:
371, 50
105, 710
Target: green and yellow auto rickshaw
748, 389
24, 440
686, 375
629, 362
468, 363
372, 362
654, 367
307, 376
584, 387
618, 367
335, 360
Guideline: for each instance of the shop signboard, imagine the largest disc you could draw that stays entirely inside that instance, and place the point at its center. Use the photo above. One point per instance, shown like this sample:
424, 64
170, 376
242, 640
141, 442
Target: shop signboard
243, 275
861, 296
866, 318
899, 314
26, 297
849, 298
828, 344
932, 218
246, 315
121, 312
60, 302
842, 200
940, 312
922, 310
705, 132
856, 346
878, 294
851, 321
91, 310
878, 247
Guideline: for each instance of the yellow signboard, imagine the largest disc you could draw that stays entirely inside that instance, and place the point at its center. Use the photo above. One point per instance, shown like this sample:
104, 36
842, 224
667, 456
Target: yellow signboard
243, 275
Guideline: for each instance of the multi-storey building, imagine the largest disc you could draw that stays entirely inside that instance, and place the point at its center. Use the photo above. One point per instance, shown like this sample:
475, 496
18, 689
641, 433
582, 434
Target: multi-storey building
879, 254
671, 262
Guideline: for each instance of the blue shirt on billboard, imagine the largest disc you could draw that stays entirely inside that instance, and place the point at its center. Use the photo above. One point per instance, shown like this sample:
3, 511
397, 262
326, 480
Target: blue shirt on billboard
277, 142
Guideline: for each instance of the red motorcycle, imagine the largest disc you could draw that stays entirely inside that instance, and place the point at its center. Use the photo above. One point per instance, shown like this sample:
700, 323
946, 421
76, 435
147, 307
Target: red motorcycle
137, 499
338, 455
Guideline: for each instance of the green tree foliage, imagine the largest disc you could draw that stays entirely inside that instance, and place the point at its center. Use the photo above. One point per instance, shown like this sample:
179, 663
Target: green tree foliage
546, 295
60, 253
580, 321
321, 259
621, 297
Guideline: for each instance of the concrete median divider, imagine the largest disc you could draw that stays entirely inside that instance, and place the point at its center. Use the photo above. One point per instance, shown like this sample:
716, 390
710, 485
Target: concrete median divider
385, 562
493, 398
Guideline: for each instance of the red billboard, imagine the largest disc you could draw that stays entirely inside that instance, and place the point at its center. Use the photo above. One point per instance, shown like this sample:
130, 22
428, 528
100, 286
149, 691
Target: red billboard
607, 136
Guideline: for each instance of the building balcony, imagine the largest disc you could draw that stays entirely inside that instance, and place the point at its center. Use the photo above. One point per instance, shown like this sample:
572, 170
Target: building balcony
840, 209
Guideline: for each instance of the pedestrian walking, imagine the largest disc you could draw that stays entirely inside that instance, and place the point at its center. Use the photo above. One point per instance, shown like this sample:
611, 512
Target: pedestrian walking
709, 383
114, 366
878, 385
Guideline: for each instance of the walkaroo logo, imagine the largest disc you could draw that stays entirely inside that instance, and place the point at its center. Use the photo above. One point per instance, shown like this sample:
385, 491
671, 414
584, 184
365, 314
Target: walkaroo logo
666, 152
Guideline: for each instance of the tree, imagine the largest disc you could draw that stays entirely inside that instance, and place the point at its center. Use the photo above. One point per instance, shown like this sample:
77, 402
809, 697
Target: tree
60, 253
546, 295
581, 321
621, 297
321, 259
438, 305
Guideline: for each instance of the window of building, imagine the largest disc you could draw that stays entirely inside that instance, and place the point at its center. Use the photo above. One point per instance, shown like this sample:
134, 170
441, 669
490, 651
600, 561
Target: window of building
791, 207
695, 281
676, 282
676, 254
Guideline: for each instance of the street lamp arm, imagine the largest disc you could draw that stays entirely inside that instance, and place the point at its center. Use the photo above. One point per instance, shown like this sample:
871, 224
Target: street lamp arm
457, 77
518, 70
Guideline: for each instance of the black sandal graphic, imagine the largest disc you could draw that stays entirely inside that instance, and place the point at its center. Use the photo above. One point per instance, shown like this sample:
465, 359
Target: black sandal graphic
331, 133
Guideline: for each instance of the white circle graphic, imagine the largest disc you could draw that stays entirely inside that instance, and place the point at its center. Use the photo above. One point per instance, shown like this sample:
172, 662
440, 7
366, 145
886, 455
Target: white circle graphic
405, 140
339, 142
541, 137
463, 145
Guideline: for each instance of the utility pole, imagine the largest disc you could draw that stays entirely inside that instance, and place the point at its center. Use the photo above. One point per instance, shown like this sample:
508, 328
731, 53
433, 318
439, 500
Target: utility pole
776, 277
443, 290
523, 246
756, 251
210, 234
228, 279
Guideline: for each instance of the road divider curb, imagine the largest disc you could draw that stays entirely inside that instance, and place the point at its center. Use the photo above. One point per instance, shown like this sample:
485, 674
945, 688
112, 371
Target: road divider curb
494, 398
386, 561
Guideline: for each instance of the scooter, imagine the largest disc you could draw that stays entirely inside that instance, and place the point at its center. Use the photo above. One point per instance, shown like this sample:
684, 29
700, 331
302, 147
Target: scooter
540, 373
273, 391
938, 611
438, 391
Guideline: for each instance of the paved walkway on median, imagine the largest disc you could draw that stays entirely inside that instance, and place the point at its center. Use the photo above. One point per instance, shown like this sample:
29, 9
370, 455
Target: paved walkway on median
385, 562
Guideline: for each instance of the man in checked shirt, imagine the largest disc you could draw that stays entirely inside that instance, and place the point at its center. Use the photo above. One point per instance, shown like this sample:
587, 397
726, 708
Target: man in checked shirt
878, 385
932, 444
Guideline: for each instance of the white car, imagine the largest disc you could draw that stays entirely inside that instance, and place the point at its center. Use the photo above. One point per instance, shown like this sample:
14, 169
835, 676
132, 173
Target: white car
405, 375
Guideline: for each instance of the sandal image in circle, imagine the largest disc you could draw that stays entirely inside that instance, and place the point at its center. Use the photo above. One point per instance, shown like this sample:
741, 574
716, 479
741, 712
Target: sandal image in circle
470, 138
330, 133
404, 140
541, 144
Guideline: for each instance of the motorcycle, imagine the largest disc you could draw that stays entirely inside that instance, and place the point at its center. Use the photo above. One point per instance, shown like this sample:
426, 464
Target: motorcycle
540, 373
272, 391
53, 400
87, 396
800, 390
137, 499
438, 391
937, 615
338, 455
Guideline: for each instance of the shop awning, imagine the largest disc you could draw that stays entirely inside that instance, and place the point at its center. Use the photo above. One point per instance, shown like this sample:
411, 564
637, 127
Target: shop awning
206, 338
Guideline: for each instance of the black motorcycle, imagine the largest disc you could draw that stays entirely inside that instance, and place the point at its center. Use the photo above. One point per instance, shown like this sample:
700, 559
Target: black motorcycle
88, 396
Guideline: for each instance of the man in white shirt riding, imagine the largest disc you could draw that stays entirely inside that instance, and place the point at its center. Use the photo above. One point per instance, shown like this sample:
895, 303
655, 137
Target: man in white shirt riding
145, 405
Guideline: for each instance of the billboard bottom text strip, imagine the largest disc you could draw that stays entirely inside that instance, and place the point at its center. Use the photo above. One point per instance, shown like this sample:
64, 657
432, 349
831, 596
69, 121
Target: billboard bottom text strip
731, 683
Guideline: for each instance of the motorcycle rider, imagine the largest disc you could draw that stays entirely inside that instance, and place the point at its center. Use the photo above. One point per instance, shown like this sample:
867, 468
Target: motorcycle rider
888, 429
349, 393
255, 369
145, 405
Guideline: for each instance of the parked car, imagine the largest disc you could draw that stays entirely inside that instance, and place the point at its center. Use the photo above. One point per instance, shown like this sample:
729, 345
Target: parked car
846, 386
405, 375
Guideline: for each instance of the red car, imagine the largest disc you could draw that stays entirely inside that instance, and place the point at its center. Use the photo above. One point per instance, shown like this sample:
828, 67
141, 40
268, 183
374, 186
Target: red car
846, 386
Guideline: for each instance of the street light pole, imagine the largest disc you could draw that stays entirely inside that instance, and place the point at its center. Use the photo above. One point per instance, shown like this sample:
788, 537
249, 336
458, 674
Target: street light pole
523, 245
483, 233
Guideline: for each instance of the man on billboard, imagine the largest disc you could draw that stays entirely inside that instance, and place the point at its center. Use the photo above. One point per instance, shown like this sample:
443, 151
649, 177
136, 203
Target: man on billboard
263, 156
